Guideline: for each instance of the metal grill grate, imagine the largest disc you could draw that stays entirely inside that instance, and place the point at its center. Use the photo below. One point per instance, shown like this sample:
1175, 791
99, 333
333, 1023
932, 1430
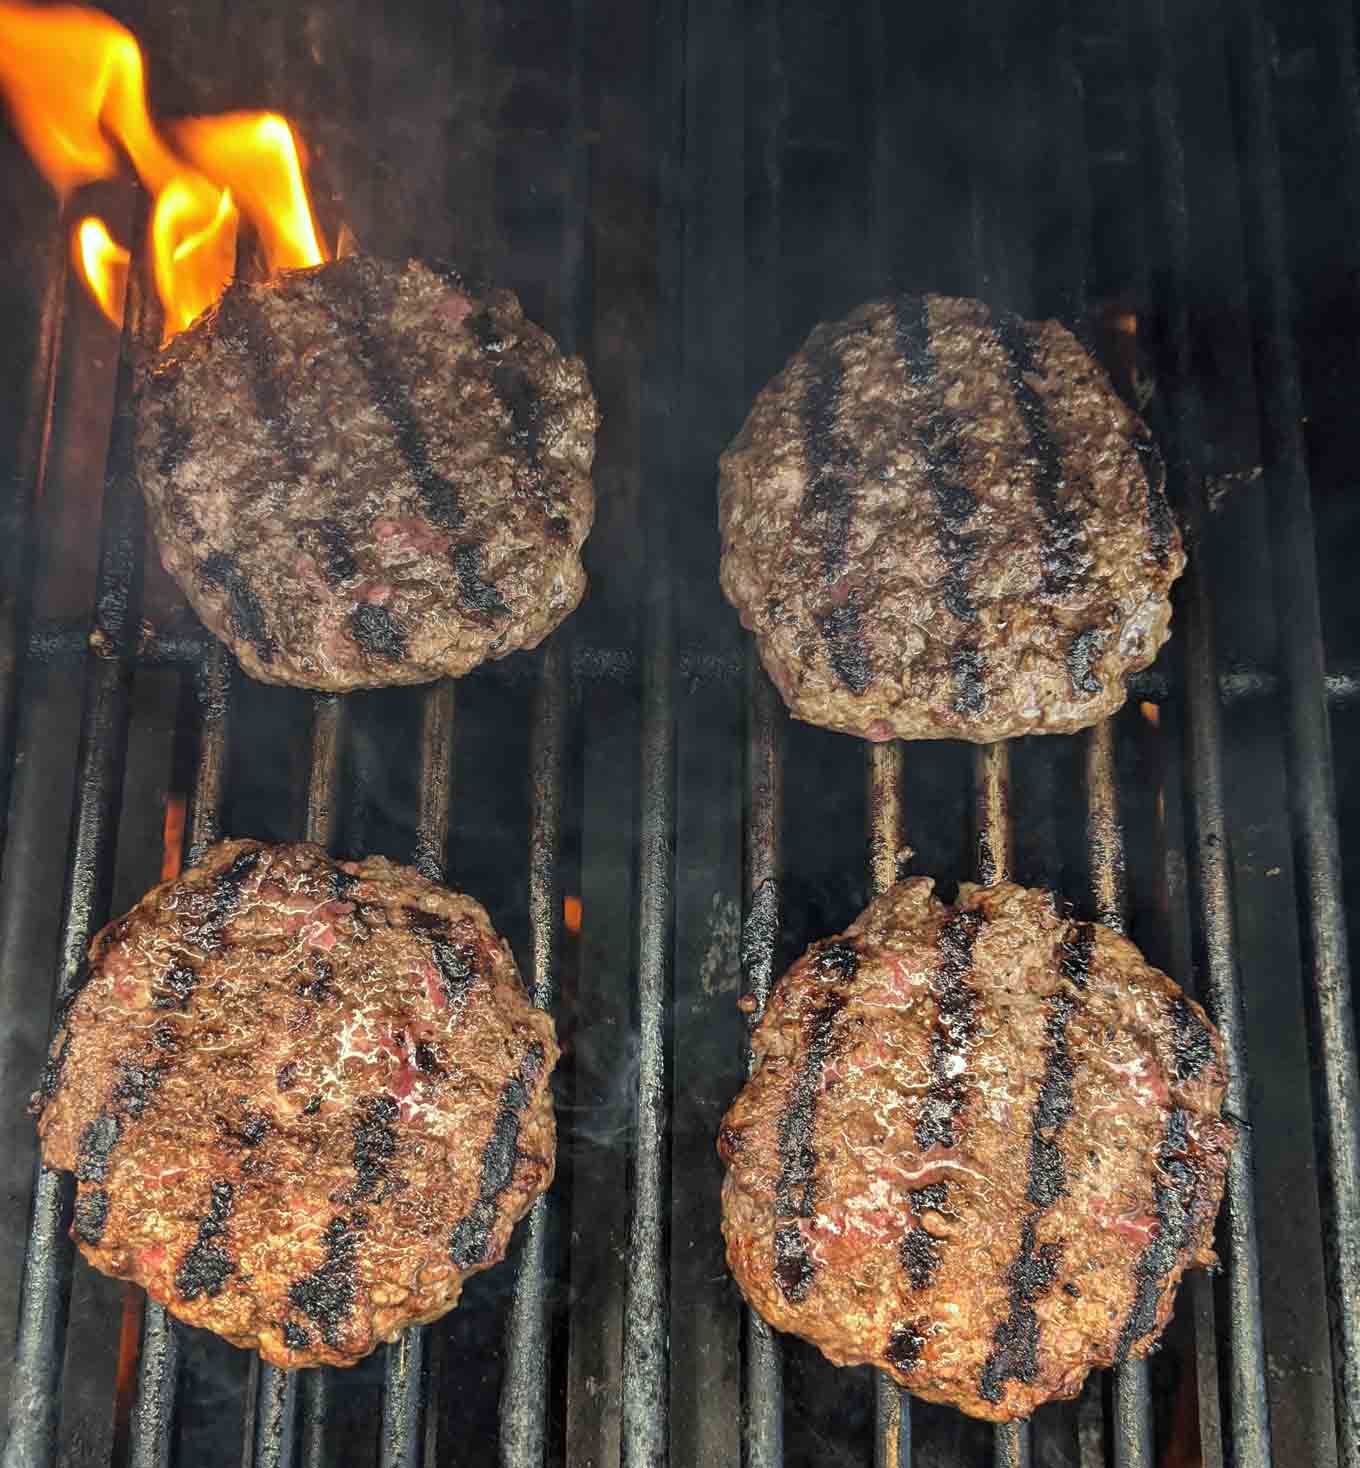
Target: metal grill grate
680, 195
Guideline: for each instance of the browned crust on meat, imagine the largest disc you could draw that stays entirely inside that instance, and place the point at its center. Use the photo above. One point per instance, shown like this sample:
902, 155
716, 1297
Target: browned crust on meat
979, 1148
368, 474
943, 522
303, 1100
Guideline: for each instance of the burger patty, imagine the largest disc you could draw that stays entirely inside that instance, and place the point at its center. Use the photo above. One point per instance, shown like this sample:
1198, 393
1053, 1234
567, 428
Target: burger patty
303, 1099
979, 1148
368, 474
942, 522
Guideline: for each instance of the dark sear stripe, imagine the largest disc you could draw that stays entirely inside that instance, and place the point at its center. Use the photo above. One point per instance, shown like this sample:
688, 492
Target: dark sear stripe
954, 1032
350, 314
937, 435
905, 1346
240, 321
1194, 1047
472, 1235
519, 395
1015, 1342
206, 1265
1161, 522
845, 645
1075, 952
827, 509
1082, 653
1174, 1201
378, 631
244, 609
1062, 556
795, 1193
969, 670
326, 1295
477, 595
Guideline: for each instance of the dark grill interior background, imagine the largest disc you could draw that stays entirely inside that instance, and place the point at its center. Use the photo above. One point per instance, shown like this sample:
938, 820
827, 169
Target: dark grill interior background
681, 192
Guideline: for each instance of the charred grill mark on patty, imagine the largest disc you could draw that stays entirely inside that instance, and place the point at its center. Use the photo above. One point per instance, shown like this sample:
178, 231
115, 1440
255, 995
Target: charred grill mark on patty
905, 1346
919, 1253
241, 322
214, 908
132, 1091
350, 312
1174, 1201
1075, 952
337, 562
471, 1237
477, 594
91, 1216
1015, 1344
849, 653
375, 1145
326, 1295
53, 1068
827, 510
1161, 522
937, 435
207, 1266
1193, 1046
458, 965
968, 668
245, 610
98, 1138
953, 1035
1061, 555
176, 985
1052, 1108
796, 1186
378, 631
1082, 654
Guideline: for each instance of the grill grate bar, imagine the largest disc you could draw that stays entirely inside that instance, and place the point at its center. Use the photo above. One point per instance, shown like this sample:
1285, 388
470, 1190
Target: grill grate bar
524, 1391
158, 1364
24, 491
406, 1368
884, 769
39, 1352
1247, 1401
272, 1393
762, 1353
1308, 732
992, 812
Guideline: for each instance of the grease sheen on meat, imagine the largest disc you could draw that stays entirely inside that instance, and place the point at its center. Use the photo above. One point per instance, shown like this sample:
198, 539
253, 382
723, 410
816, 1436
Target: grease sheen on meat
369, 474
942, 522
979, 1148
303, 1099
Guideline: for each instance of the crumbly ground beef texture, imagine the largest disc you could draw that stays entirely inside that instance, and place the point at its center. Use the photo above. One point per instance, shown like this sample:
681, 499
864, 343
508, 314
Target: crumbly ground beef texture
369, 474
979, 1148
941, 522
303, 1099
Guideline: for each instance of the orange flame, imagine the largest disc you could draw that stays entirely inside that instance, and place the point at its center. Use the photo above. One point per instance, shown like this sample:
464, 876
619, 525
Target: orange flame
76, 89
103, 264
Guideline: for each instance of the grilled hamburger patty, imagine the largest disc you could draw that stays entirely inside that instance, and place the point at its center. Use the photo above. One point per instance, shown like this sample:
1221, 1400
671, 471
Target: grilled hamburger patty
980, 1146
367, 474
303, 1100
942, 522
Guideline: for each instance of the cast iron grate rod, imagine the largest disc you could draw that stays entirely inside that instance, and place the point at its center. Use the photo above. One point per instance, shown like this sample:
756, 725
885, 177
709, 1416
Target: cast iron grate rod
23, 491
1308, 732
1248, 1411
272, 1392
152, 1424
102, 753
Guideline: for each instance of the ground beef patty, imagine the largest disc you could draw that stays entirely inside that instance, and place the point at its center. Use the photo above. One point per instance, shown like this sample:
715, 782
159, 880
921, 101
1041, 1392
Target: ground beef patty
303, 1100
979, 1148
942, 522
368, 474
